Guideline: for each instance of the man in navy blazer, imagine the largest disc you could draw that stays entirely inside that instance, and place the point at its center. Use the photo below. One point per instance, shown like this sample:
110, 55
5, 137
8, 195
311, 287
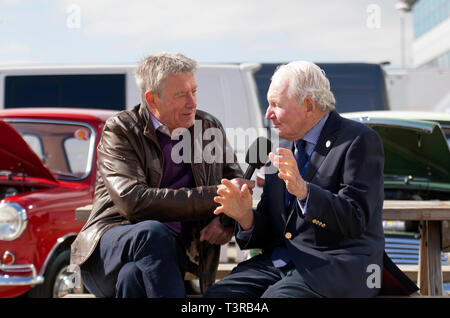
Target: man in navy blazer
319, 220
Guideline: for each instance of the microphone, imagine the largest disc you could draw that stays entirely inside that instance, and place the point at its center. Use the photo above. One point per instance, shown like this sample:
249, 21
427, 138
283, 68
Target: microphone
256, 157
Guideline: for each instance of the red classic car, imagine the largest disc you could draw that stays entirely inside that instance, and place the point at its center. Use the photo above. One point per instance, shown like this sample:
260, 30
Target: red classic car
47, 170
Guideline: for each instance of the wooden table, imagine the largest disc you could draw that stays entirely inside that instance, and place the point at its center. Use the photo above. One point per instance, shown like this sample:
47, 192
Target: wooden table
431, 215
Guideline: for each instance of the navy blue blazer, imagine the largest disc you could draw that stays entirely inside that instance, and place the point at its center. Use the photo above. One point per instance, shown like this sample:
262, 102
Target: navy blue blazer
335, 244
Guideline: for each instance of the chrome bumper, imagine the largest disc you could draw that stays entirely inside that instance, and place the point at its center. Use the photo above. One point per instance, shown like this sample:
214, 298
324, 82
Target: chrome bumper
8, 280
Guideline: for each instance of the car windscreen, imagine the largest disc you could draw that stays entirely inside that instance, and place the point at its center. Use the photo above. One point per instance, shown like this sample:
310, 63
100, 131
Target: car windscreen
66, 148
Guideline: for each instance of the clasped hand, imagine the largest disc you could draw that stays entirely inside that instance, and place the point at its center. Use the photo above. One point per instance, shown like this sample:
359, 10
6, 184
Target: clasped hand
235, 196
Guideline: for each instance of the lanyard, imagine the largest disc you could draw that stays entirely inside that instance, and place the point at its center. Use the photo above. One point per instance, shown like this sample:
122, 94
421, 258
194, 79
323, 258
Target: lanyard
306, 164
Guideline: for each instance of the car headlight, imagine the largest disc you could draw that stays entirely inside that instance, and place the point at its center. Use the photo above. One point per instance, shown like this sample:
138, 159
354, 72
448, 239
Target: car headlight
13, 221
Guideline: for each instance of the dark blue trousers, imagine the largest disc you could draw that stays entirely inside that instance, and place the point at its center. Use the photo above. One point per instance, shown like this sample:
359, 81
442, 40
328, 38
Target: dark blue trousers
259, 278
140, 260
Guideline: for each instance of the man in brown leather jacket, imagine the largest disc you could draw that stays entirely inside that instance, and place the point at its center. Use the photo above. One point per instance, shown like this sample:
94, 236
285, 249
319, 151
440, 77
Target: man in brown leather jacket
152, 214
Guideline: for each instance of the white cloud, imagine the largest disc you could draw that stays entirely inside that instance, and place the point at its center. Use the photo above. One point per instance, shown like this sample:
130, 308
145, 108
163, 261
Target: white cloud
331, 28
14, 53
208, 18
208, 30
6, 2
14, 49
162, 19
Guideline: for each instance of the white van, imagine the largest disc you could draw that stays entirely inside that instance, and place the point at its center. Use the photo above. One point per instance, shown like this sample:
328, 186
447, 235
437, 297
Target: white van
228, 91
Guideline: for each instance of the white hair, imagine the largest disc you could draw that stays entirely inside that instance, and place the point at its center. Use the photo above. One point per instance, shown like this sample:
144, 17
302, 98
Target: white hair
154, 69
307, 79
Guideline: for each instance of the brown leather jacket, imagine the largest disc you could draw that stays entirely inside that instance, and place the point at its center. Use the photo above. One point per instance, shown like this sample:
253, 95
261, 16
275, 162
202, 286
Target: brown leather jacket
127, 191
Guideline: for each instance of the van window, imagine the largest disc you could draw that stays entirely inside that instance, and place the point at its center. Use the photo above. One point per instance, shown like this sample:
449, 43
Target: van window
104, 91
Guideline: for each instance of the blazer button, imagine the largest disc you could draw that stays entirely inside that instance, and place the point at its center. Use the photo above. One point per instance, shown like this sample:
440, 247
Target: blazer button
288, 235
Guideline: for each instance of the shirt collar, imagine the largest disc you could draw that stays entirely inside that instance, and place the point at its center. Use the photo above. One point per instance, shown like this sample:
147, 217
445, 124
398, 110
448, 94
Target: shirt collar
159, 126
312, 136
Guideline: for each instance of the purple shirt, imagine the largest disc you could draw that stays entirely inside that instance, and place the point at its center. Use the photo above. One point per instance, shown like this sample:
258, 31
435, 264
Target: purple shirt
175, 175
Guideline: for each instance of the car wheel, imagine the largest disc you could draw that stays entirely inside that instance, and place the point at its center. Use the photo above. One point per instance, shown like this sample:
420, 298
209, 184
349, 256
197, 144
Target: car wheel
58, 281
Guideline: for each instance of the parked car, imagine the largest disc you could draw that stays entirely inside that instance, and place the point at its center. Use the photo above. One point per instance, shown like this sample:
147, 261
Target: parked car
417, 152
47, 170
443, 119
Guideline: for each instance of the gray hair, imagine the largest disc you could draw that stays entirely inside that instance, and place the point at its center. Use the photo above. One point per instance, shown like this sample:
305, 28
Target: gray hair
307, 79
154, 69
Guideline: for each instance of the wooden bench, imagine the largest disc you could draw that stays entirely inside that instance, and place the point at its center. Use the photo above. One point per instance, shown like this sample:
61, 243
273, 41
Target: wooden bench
434, 237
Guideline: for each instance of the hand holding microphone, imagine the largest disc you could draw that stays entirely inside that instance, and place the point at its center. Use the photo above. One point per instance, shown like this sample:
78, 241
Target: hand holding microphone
234, 196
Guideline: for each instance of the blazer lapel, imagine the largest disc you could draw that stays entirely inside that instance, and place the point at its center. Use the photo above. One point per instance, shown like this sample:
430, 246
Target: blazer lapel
326, 141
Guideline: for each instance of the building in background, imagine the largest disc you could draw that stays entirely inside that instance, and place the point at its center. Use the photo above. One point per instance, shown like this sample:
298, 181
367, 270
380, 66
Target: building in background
419, 89
431, 23
425, 85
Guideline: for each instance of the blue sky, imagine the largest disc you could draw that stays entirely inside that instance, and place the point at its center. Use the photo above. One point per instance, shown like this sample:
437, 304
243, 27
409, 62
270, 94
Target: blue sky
118, 31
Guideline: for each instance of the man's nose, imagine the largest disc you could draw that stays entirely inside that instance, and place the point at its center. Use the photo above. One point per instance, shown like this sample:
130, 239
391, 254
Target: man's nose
191, 100
269, 113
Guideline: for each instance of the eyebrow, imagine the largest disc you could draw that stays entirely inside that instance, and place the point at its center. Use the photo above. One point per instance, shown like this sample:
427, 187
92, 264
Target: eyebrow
271, 101
182, 92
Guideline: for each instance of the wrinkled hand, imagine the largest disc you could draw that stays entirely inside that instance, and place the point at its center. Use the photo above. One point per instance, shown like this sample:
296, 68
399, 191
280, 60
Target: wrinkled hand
216, 233
239, 182
235, 200
288, 172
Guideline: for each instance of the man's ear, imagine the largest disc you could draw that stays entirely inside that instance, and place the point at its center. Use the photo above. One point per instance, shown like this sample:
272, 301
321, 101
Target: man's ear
310, 104
150, 99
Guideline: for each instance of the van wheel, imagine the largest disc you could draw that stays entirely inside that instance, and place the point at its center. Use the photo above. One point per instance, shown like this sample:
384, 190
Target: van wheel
58, 281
